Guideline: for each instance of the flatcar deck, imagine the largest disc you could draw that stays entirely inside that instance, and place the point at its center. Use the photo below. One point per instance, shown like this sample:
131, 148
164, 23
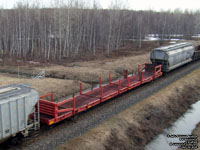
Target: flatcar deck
53, 112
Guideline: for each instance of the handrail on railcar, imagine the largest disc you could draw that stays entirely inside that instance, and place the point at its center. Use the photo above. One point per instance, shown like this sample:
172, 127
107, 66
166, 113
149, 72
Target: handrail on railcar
159, 67
47, 95
140, 66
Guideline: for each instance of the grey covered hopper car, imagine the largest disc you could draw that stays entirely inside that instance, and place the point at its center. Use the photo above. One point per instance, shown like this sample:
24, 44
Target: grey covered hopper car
172, 56
17, 102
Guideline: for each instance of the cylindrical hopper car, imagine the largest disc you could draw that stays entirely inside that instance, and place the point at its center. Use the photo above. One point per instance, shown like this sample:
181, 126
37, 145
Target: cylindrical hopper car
172, 56
17, 103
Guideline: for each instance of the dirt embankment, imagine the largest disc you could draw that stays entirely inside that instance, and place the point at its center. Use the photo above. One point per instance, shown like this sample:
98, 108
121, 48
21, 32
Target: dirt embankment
136, 126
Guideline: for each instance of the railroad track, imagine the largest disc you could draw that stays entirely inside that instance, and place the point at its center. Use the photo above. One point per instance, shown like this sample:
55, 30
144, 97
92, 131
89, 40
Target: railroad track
68, 129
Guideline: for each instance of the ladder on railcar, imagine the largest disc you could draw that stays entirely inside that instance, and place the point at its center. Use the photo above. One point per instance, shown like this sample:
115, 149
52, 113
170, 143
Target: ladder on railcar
35, 121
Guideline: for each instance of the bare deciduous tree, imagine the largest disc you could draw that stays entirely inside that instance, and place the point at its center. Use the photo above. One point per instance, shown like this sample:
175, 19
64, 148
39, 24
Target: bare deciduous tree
70, 28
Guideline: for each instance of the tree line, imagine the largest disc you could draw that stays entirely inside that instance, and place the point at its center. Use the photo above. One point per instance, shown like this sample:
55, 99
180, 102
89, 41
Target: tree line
67, 30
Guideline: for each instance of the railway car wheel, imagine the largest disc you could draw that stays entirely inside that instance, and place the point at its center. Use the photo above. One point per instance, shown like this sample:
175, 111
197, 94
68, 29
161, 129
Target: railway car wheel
74, 118
16, 140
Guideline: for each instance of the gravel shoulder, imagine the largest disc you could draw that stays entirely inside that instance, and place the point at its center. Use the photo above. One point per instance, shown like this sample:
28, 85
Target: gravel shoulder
50, 139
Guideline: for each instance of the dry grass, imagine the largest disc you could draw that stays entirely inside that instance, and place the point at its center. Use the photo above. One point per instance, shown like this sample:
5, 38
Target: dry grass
195, 43
61, 88
86, 71
117, 65
84, 74
116, 131
91, 71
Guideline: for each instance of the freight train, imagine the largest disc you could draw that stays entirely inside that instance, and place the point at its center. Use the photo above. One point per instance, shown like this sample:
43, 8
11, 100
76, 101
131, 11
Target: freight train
22, 110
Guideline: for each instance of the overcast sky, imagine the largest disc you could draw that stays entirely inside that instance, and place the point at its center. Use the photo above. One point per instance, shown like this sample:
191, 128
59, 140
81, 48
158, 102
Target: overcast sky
132, 4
